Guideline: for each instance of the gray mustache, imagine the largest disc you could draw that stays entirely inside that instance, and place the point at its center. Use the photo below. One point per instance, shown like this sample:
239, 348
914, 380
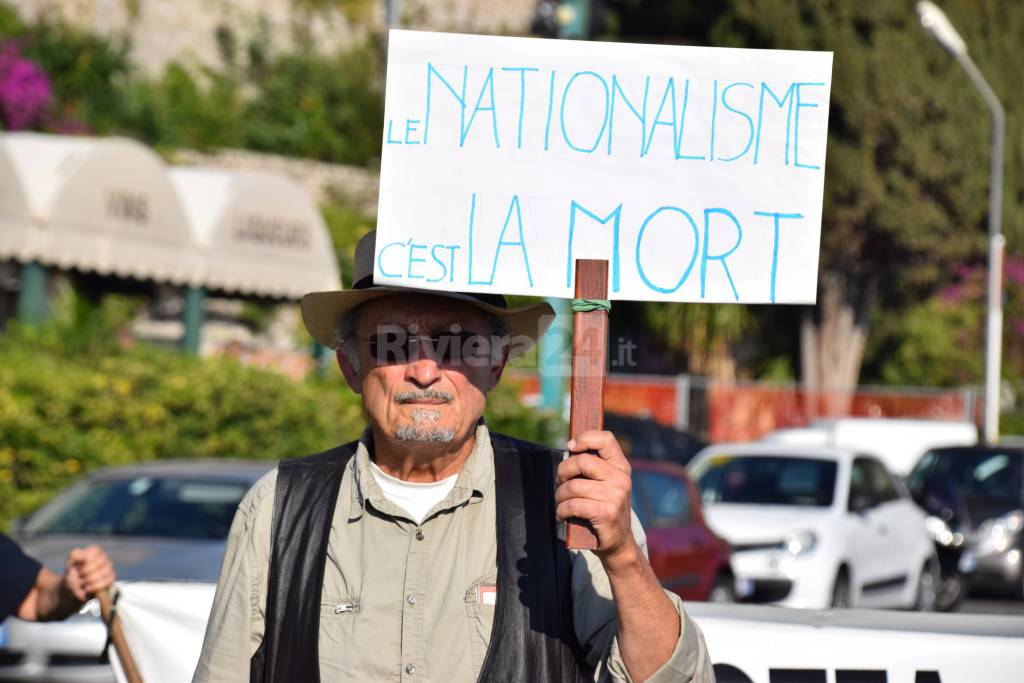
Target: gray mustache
430, 394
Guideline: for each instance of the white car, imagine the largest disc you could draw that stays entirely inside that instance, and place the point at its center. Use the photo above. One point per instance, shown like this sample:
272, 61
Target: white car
816, 527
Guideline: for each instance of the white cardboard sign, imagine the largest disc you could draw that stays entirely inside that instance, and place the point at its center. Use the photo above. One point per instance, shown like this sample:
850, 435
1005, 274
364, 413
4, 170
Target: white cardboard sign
697, 173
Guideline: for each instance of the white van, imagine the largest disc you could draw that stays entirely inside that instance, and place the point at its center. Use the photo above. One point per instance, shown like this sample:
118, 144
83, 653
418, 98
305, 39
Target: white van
898, 442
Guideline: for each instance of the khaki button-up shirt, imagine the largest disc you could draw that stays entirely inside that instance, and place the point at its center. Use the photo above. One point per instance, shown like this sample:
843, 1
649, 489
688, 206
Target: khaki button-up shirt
410, 602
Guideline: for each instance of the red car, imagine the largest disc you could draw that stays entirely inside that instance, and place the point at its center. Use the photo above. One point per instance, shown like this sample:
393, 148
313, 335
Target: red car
686, 555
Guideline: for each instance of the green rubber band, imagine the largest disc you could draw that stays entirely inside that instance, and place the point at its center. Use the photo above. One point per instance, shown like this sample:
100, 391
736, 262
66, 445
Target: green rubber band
587, 305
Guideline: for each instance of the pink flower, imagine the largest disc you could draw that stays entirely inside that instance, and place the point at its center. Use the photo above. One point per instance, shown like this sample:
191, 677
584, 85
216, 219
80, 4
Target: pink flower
1013, 269
25, 92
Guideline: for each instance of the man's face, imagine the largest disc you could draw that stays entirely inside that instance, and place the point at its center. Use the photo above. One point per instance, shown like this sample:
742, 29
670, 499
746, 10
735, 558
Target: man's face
425, 367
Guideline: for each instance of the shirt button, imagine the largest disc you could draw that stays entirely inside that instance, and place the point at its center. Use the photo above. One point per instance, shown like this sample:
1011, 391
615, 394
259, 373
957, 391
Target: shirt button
410, 669
419, 535
412, 601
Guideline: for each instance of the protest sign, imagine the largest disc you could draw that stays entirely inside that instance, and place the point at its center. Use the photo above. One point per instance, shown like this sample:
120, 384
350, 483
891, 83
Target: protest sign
697, 173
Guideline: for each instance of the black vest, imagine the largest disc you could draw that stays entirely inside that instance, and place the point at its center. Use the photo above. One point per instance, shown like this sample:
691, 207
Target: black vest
532, 639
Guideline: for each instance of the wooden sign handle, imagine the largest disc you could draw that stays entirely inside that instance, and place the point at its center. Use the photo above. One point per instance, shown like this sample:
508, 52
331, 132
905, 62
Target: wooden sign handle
124, 654
589, 351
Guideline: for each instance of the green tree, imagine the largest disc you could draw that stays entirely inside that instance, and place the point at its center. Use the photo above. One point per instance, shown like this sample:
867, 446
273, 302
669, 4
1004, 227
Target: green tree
703, 333
907, 174
907, 161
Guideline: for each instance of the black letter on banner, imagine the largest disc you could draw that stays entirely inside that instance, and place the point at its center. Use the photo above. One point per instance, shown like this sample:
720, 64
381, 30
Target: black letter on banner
797, 676
861, 676
727, 673
927, 677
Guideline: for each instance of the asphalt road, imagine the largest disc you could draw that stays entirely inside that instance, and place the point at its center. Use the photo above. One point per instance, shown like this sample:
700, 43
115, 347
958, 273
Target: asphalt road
986, 605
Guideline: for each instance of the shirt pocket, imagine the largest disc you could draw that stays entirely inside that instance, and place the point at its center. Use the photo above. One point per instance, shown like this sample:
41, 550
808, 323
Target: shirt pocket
337, 618
480, 599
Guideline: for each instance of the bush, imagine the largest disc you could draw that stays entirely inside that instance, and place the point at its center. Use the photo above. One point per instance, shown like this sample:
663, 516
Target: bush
86, 71
176, 111
61, 416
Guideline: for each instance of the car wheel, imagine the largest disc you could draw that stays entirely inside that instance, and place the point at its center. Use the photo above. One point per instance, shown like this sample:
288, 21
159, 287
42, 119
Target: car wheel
927, 588
950, 592
723, 590
841, 590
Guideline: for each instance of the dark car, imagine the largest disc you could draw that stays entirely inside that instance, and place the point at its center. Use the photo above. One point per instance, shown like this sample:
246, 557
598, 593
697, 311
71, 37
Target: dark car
975, 496
645, 438
160, 520
687, 557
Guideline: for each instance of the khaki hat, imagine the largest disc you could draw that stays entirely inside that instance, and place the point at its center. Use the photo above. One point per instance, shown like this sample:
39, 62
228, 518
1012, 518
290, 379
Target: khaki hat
322, 311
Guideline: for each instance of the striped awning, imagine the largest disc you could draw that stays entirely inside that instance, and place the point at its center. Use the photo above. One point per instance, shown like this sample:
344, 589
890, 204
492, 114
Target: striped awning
260, 232
95, 204
112, 206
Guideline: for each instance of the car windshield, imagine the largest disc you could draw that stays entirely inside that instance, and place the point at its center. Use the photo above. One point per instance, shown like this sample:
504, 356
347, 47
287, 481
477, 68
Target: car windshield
767, 480
994, 474
169, 507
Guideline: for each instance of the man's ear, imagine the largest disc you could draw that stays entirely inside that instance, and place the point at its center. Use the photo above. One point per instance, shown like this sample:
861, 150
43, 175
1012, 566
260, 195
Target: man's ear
352, 377
499, 368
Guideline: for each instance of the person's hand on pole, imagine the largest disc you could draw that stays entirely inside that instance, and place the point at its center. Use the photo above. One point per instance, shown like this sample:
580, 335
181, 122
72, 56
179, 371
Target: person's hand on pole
89, 572
594, 484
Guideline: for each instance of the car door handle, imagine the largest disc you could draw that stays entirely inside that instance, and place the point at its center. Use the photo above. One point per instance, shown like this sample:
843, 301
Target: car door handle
883, 530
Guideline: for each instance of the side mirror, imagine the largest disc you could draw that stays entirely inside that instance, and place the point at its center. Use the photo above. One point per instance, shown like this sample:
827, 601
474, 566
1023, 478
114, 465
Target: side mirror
860, 503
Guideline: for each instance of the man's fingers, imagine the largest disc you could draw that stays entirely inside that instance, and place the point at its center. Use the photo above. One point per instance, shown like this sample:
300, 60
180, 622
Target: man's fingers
93, 573
582, 508
91, 556
100, 582
72, 581
581, 487
585, 465
601, 443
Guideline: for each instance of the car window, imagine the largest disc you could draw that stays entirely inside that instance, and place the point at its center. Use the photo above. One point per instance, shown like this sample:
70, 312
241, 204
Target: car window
668, 498
921, 472
989, 473
767, 480
143, 506
860, 484
638, 501
882, 486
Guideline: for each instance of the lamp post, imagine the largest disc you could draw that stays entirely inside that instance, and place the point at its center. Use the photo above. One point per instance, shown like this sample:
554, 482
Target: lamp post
938, 25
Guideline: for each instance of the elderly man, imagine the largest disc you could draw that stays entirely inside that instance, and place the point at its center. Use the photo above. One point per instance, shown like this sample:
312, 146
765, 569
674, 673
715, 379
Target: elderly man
429, 549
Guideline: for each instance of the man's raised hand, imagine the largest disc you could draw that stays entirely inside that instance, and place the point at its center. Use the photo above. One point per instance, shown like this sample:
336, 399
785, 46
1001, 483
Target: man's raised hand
594, 484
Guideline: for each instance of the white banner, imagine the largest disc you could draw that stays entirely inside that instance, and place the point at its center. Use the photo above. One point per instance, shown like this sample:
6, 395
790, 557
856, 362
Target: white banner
165, 624
697, 173
755, 644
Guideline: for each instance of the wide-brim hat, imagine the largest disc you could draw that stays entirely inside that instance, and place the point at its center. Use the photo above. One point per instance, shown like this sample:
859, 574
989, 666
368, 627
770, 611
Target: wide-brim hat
322, 312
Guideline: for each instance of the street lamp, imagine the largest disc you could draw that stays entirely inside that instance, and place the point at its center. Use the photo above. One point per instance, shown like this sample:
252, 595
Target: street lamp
937, 24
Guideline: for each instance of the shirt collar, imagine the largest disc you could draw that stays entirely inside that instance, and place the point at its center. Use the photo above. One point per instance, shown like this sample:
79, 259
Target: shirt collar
474, 480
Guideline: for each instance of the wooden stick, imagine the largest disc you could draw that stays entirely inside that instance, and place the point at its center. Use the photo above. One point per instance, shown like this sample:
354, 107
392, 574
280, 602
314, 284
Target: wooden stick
124, 654
589, 353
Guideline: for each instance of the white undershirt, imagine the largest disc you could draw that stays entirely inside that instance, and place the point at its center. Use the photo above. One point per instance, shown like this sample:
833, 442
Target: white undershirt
416, 499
